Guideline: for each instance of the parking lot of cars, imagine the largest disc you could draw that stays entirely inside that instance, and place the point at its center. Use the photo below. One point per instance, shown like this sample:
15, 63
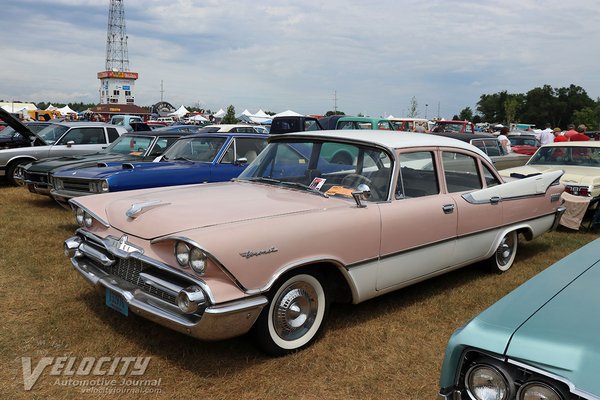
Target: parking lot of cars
281, 256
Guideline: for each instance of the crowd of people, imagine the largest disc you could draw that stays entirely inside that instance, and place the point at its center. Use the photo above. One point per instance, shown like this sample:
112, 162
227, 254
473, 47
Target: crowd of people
548, 135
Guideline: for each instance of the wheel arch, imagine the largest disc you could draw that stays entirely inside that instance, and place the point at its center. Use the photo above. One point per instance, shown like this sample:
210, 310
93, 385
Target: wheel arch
333, 272
18, 159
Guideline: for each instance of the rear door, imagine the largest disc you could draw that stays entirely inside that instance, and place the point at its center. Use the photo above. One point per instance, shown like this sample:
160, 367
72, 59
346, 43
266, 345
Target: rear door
419, 225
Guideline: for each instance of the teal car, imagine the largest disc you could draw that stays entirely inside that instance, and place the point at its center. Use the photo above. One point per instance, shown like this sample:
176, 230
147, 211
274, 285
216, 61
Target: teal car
541, 341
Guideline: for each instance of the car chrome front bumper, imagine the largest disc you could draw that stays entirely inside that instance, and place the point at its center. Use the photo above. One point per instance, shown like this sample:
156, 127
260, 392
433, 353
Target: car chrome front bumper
216, 322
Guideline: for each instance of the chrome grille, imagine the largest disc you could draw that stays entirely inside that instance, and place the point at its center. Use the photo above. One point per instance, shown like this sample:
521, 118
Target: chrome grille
36, 177
76, 185
129, 270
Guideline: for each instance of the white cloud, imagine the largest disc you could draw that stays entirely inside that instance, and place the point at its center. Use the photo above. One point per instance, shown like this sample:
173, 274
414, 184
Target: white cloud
284, 54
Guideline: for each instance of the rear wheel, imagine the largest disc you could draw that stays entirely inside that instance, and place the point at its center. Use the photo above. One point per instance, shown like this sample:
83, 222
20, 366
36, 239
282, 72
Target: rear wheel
295, 316
505, 253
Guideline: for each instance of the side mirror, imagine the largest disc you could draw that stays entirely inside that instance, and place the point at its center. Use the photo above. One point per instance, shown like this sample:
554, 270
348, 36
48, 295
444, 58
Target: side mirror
70, 143
362, 192
241, 161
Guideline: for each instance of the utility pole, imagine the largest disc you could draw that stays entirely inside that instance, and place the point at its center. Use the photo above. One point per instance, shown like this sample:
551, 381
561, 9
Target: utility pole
335, 101
161, 90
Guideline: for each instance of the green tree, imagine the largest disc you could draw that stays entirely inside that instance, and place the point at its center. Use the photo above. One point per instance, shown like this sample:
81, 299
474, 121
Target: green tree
329, 113
229, 117
466, 114
511, 106
590, 116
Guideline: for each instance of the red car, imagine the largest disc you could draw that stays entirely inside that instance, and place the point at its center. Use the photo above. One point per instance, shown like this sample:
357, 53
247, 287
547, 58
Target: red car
524, 144
454, 127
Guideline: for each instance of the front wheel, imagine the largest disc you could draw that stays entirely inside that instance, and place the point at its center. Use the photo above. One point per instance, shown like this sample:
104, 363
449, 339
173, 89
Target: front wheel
295, 316
14, 172
504, 256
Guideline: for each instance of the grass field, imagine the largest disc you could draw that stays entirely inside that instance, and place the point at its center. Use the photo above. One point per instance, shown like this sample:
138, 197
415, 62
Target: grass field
387, 348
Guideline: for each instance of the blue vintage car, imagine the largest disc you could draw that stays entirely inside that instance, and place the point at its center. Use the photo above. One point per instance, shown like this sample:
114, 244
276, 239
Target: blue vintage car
540, 341
200, 158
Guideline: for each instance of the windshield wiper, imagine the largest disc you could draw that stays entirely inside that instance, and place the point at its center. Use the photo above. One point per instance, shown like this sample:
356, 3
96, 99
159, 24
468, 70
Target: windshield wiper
305, 187
263, 179
180, 158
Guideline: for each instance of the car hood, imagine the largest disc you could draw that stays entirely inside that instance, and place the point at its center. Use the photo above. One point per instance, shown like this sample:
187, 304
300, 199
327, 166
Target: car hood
562, 336
17, 125
49, 164
493, 328
113, 168
183, 208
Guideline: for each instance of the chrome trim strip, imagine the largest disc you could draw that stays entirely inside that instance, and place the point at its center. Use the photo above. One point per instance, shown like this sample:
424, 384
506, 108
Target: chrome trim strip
161, 284
93, 214
88, 251
558, 215
572, 388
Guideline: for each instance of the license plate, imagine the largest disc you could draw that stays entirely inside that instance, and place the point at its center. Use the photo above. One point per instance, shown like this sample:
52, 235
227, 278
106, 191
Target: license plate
116, 302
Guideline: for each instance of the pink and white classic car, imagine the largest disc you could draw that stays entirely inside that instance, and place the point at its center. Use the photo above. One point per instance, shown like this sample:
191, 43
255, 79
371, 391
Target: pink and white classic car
318, 217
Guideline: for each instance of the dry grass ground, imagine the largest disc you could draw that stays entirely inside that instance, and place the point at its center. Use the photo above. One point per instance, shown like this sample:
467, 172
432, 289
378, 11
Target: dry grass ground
386, 348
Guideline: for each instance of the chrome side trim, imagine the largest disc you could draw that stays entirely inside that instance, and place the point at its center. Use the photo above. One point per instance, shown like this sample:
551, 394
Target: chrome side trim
572, 388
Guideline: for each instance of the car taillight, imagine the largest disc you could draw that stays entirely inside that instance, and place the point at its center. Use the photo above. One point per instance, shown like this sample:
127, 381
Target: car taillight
578, 190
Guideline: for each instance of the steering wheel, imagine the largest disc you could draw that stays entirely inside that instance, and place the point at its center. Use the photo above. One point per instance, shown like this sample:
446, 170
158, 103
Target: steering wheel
353, 180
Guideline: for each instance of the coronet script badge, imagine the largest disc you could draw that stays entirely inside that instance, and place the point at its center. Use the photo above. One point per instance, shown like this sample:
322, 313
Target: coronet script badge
253, 253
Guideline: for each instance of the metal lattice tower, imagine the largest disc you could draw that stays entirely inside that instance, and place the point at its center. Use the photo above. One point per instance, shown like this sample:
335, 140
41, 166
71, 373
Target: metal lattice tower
117, 57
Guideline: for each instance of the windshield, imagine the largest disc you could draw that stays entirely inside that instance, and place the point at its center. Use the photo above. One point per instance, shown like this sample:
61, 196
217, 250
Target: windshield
200, 149
567, 155
331, 168
52, 133
8, 133
448, 127
132, 145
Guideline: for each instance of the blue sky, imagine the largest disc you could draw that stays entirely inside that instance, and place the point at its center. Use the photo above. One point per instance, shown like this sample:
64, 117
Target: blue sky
279, 55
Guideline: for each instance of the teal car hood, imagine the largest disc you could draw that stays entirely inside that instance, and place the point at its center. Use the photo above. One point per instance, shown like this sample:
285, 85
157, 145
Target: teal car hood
503, 327
563, 337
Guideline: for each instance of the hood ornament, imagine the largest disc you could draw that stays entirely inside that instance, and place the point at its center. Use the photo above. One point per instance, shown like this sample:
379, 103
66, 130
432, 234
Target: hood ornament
138, 209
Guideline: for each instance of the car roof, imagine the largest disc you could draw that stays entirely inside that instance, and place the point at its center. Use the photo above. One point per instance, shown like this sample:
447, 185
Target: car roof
389, 139
155, 133
365, 119
225, 135
83, 123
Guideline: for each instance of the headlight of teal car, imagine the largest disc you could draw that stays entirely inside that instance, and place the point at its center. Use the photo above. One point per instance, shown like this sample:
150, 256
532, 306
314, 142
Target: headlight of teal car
538, 391
486, 382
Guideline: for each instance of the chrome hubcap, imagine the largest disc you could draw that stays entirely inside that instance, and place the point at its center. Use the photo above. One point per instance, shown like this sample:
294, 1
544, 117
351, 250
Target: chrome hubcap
295, 311
504, 252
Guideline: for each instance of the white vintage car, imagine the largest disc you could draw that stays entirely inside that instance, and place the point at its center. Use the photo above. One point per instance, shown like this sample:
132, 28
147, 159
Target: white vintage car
318, 217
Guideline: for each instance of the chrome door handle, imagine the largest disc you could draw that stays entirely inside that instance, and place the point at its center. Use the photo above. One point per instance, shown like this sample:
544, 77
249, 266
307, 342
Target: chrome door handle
448, 208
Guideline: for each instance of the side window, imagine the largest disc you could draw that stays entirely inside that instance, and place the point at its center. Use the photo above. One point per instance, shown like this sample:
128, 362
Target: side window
161, 145
113, 134
468, 129
249, 148
460, 171
383, 125
84, 136
490, 178
229, 155
418, 176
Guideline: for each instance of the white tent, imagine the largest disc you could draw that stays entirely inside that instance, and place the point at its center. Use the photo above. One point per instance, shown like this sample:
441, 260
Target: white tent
219, 114
198, 117
261, 114
51, 108
180, 112
260, 120
287, 113
66, 110
247, 113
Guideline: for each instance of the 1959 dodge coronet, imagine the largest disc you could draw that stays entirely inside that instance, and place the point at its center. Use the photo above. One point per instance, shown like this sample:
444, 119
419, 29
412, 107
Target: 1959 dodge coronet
539, 342
271, 250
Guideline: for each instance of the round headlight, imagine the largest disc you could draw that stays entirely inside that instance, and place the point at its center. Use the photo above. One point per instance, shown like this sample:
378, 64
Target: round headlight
198, 260
182, 253
79, 213
538, 391
104, 186
87, 220
485, 382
